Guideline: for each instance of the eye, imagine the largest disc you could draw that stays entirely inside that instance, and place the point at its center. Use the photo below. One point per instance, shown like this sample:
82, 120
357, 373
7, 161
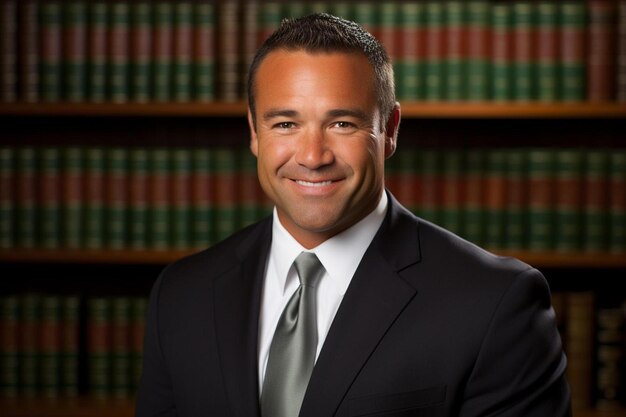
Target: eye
285, 125
344, 125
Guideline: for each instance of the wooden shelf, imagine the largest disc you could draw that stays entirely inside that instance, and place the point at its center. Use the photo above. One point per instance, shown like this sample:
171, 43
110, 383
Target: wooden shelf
410, 110
158, 257
85, 407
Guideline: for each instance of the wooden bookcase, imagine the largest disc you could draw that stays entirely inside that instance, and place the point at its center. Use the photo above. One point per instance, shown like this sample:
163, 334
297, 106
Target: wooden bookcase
608, 118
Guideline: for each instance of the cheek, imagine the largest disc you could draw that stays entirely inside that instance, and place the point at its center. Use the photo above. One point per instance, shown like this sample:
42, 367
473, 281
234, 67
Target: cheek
273, 154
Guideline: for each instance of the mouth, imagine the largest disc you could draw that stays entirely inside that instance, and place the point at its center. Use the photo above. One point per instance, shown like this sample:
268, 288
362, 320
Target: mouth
313, 184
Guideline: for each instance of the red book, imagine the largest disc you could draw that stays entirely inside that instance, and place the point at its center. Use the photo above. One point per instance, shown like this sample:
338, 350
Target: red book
601, 50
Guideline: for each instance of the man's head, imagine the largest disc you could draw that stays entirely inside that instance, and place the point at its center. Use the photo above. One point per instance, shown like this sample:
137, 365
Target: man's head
319, 131
326, 33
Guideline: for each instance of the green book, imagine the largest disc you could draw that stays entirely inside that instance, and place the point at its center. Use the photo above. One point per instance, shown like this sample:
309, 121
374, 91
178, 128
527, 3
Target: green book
434, 65
429, 171
572, 15
72, 199
342, 9
541, 167
317, 7
138, 198
524, 65
119, 58
116, 197
51, 59
473, 203
159, 207
547, 51
388, 33
50, 346
249, 189
141, 51
596, 203
202, 197
409, 62
94, 198
365, 13
75, 51
120, 347
515, 199
501, 84
204, 53
225, 175
183, 38
8, 51
26, 204
99, 347
477, 74
98, 17
9, 346
50, 197
495, 197
139, 306
163, 23
70, 346
455, 20
8, 175
617, 203
181, 201
568, 200
29, 342
451, 190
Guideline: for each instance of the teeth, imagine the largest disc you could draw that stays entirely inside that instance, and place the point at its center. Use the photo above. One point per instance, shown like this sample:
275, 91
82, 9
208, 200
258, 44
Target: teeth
313, 184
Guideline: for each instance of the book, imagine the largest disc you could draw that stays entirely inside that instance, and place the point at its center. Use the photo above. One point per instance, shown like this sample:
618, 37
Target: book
547, 51
72, 197
8, 212
8, 51
97, 47
572, 15
29, 56
568, 199
601, 48
74, 64
501, 85
163, 50
140, 51
183, 51
204, 51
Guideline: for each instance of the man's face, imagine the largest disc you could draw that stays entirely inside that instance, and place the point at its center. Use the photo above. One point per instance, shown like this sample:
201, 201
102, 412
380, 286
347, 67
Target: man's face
318, 141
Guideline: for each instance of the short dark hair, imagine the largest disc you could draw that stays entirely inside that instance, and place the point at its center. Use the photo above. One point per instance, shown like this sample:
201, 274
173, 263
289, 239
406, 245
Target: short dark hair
322, 32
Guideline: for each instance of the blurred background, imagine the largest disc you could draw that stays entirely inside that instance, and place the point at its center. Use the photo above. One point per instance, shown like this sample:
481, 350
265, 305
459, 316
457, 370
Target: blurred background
123, 146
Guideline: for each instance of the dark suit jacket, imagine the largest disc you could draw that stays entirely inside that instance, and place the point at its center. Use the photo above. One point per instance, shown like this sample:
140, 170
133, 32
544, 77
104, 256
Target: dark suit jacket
431, 325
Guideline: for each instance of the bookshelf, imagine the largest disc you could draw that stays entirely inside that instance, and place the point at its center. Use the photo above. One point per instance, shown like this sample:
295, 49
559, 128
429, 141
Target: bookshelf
557, 116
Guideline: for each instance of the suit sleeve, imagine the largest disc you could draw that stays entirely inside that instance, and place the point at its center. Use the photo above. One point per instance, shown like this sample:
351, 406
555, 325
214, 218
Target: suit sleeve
520, 370
155, 396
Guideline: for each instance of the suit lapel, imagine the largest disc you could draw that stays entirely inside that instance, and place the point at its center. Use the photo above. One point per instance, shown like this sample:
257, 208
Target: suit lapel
376, 296
237, 305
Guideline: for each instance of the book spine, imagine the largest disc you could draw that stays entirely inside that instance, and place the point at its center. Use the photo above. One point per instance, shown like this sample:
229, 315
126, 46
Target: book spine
116, 197
502, 52
50, 197
141, 51
568, 199
343, 9
249, 40
389, 35
50, 346
495, 197
524, 49
429, 200
409, 68
515, 200
119, 53
477, 74
365, 14
202, 197
160, 191
225, 192
163, 51
601, 50
547, 51
51, 55
8, 51
572, 41
70, 345
26, 197
29, 56
183, 50
181, 198
452, 190
29, 357
120, 347
319, 7
97, 45
579, 345
595, 214
609, 358
8, 176
229, 54
473, 210
99, 347
94, 198
270, 14
617, 202
138, 198
540, 199
74, 51
9, 346
205, 51
409, 184
249, 191
72, 197
455, 38
621, 52
434, 61
290, 10
137, 330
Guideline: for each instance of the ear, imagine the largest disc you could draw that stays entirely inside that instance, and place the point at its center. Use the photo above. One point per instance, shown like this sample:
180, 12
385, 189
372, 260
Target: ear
254, 142
391, 132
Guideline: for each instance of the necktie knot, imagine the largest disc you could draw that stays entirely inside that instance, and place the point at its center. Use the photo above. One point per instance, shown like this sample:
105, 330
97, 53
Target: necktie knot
309, 268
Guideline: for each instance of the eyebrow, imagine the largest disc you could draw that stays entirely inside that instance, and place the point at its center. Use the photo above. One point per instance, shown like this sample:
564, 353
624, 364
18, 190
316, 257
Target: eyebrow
273, 113
356, 113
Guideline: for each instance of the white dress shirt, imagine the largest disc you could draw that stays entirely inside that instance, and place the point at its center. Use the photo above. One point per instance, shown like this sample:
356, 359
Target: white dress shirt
340, 256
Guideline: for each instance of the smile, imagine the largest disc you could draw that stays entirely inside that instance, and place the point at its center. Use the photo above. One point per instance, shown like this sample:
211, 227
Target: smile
313, 184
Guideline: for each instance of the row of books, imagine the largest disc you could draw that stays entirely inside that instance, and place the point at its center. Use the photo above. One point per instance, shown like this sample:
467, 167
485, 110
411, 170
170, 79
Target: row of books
182, 51
593, 332
63, 346
566, 199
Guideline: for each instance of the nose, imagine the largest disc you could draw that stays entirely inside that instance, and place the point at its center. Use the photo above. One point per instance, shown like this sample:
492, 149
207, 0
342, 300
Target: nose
314, 150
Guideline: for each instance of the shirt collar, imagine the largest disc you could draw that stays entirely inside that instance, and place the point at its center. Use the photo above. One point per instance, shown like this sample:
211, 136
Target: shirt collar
340, 255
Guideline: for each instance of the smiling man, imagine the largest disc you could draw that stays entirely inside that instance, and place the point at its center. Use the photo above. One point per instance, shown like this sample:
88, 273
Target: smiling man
342, 303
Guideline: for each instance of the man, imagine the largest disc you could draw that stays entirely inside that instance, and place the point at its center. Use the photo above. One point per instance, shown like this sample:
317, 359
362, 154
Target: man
409, 318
